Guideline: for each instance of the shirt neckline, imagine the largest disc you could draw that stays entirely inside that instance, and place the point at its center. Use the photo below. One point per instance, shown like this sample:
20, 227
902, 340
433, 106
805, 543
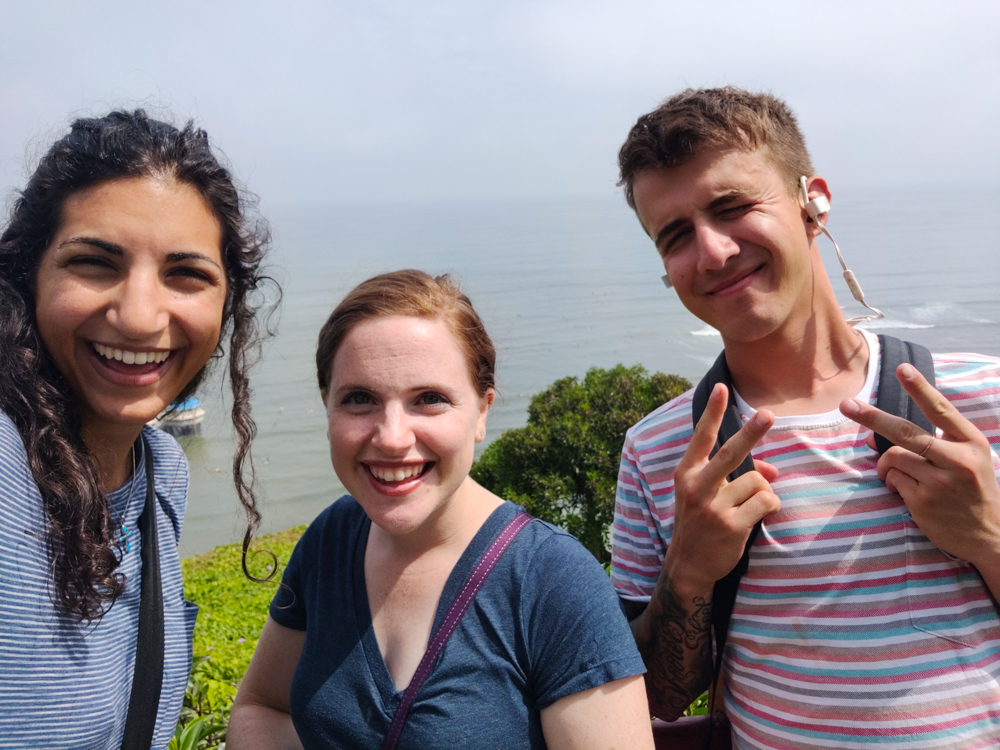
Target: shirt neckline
391, 697
833, 416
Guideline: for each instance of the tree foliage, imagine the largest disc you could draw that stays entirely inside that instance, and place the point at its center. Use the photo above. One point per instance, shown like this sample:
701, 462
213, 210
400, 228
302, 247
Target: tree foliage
563, 465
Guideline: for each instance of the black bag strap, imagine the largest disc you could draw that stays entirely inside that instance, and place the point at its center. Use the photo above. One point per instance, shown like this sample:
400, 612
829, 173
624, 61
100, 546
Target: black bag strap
147, 680
724, 593
891, 399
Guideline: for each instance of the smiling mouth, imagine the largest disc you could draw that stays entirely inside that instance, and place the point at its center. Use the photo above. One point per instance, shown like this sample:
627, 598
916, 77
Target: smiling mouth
398, 474
129, 357
735, 280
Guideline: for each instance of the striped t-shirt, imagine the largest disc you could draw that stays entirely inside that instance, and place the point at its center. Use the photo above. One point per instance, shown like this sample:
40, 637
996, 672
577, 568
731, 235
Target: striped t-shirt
64, 684
850, 629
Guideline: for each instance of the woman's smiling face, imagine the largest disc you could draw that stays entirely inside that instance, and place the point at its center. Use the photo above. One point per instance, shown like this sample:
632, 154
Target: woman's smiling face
404, 418
130, 295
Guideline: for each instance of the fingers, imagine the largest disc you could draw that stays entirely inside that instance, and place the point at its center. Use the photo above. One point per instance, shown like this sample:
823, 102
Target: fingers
935, 406
904, 461
706, 432
766, 470
899, 431
757, 506
738, 447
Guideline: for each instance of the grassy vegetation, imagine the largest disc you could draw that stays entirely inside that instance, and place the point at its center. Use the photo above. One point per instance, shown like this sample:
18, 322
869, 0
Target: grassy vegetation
232, 613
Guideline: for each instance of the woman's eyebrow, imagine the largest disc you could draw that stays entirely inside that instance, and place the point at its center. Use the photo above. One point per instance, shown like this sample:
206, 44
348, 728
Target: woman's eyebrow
113, 249
177, 257
108, 247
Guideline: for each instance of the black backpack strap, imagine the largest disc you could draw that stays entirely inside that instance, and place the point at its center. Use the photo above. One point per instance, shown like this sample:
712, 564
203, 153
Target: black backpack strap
892, 399
147, 680
724, 591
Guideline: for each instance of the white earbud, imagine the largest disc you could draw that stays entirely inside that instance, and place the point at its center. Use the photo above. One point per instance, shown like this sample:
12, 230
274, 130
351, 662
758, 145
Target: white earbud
815, 208
666, 281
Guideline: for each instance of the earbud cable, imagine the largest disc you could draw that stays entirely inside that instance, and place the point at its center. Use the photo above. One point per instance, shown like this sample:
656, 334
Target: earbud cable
852, 282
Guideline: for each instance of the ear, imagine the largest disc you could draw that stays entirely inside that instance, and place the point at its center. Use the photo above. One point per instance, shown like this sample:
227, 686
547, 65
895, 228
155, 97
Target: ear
484, 409
815, 187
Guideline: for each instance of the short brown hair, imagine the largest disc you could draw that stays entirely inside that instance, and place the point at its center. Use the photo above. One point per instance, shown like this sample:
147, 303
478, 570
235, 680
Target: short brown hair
696, 119
417, 294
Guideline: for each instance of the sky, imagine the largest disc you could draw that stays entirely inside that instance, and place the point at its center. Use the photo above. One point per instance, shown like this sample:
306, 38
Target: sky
319, 102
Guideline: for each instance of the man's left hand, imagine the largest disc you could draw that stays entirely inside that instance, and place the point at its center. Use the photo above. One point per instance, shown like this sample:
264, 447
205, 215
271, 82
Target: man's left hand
947, 482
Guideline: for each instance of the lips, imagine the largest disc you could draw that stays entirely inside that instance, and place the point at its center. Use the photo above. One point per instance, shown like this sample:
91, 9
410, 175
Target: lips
397, 479
129, 367
734, 282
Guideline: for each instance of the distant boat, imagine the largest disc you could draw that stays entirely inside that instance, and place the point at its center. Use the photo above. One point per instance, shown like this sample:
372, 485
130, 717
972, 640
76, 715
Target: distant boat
181, 418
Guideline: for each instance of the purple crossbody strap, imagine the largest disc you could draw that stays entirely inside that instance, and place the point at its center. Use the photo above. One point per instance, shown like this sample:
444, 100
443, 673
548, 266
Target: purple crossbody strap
458, 607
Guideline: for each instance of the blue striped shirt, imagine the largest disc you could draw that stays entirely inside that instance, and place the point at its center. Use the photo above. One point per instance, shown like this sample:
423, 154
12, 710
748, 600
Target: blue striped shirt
65, 684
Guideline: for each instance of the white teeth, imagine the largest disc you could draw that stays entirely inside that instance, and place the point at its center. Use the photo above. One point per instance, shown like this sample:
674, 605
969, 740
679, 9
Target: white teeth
130, 357
396, 475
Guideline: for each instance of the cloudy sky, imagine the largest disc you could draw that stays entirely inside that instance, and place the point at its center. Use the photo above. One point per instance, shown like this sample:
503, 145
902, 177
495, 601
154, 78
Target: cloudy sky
360, 101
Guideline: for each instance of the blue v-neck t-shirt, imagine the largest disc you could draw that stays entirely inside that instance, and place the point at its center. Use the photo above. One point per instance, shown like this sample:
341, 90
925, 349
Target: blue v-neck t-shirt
545, 625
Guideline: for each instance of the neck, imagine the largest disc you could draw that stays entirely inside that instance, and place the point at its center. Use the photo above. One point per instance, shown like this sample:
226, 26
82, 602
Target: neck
449, 533
807, 367
111, 448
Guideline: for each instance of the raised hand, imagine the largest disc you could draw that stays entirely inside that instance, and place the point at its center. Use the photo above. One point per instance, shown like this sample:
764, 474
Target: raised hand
948, 482
712, 522
713, 517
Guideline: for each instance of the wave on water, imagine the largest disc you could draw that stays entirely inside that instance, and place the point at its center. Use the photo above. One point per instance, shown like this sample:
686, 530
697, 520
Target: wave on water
888, 323
706, 331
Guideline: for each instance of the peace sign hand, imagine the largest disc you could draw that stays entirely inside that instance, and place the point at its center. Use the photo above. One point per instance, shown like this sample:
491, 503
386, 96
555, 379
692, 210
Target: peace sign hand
948, 483
713, 517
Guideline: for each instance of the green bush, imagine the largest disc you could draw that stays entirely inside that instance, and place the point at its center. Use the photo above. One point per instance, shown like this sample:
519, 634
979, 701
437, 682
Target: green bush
563, 465
232, 611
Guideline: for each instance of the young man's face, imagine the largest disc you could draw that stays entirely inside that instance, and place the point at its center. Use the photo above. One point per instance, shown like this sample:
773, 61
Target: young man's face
732, 240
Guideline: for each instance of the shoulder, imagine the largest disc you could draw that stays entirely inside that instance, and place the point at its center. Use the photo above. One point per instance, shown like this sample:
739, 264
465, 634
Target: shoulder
11, 444
342, 519
967, 372
13, 456
553, 559
670, 420
21, 505
170, 466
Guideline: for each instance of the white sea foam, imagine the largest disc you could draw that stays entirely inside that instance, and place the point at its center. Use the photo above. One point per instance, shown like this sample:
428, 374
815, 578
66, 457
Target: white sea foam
706, 331
888, 323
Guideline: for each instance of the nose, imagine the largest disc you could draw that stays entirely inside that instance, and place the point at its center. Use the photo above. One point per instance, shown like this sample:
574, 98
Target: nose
394, 433
140, 309
715, 247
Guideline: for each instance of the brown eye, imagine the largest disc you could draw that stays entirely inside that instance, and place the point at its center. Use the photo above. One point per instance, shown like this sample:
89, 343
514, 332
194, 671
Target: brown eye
432, 398
356, 398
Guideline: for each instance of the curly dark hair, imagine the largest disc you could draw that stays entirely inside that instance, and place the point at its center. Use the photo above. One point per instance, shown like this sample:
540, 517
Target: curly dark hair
34, 393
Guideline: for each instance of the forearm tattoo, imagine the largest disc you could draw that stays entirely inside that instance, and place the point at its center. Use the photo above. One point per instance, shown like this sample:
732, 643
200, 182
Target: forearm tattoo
676, 645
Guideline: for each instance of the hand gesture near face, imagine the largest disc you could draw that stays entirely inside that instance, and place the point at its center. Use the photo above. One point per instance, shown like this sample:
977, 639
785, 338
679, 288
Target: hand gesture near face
713, 517
949, 482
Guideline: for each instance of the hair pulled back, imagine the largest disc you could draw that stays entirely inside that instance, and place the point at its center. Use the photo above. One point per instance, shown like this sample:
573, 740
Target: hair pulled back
417, 294
32, 390
729, 117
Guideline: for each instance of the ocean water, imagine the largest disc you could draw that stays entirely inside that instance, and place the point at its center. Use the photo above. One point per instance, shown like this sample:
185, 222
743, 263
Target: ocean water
562, 286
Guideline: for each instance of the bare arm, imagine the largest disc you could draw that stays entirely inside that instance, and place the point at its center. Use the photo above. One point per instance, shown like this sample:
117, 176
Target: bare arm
610, 716
674, 637
712, 522
260, 719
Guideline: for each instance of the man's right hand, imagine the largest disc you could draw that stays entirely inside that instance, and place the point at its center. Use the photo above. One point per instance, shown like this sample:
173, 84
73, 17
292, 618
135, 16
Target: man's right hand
712, 522
713, 517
